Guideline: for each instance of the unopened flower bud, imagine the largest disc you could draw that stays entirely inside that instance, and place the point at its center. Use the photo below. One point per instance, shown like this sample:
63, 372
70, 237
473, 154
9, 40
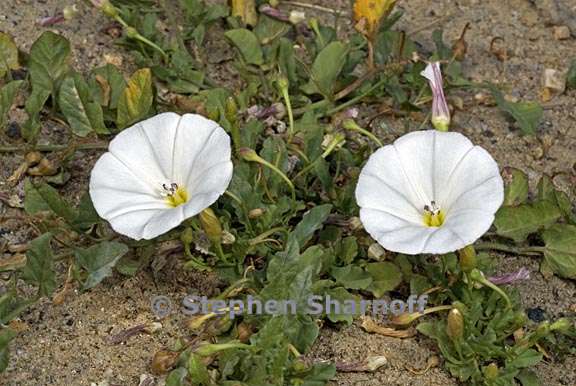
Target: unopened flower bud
440, 111
491, 371
211, 225
106, 7
455, 325
467, 258
248, 154
231, 109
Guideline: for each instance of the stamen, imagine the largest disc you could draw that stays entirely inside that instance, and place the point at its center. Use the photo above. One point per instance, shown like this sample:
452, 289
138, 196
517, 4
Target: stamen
174, 195
433, 215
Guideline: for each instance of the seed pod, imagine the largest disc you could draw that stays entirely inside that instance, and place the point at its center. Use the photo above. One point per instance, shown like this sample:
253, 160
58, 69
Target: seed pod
460, 46
255, 213
405, 318
244, 332
44, 168
455, 325
163, 361
33, 157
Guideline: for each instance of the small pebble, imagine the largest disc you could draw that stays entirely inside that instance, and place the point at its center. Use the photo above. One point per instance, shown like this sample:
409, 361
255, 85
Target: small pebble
554, 81
561, 32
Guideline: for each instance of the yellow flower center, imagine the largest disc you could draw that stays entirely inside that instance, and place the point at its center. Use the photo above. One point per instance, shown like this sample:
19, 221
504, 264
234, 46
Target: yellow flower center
433, 215
175, 195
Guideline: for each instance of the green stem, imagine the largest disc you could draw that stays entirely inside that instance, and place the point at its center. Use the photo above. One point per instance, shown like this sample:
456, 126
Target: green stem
251, 156
356, 98
286, 97
478, 277
349, 124
335, 142
256, 240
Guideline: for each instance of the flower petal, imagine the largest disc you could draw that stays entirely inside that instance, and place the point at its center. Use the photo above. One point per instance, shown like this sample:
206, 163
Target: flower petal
394, 233
474, 183
147, 148
162, 222
468, 224
383, 185
212, 183
115, 192
193, 141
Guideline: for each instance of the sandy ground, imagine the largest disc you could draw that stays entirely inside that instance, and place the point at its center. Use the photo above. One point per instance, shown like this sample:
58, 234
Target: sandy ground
67, 344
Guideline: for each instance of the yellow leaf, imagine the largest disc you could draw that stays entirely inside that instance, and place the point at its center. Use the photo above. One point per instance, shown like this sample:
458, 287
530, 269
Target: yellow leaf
369, 13
245, 10
137, 98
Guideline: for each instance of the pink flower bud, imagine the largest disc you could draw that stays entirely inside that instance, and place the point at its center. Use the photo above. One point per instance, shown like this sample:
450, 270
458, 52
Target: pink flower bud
440, 111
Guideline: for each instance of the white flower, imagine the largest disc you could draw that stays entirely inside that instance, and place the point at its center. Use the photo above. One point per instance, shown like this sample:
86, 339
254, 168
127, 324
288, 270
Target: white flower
429, 192
160, 172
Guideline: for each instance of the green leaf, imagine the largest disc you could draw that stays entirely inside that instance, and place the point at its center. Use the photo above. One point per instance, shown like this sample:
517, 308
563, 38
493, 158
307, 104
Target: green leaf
352, 277
82, 111
49, 57
560, 249
311, 222
546, 189
526, 114
528, 378
518, 222
198, 371
348, 249
176, 377
8, 54
7, 95
318, 375
386, 276
327, 67
38, 269
343, 298
99, 260
527, 358
87, 215
248, 45
113, 85
6, 335
42, 197
137, 98
516, 192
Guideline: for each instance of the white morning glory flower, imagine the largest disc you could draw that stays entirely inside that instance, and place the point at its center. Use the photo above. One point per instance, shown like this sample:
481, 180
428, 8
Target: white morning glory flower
160, 172
429, 192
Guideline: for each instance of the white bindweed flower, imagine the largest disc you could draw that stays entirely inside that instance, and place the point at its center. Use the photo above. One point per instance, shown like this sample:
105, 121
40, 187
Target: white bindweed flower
160, 172
429, 192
